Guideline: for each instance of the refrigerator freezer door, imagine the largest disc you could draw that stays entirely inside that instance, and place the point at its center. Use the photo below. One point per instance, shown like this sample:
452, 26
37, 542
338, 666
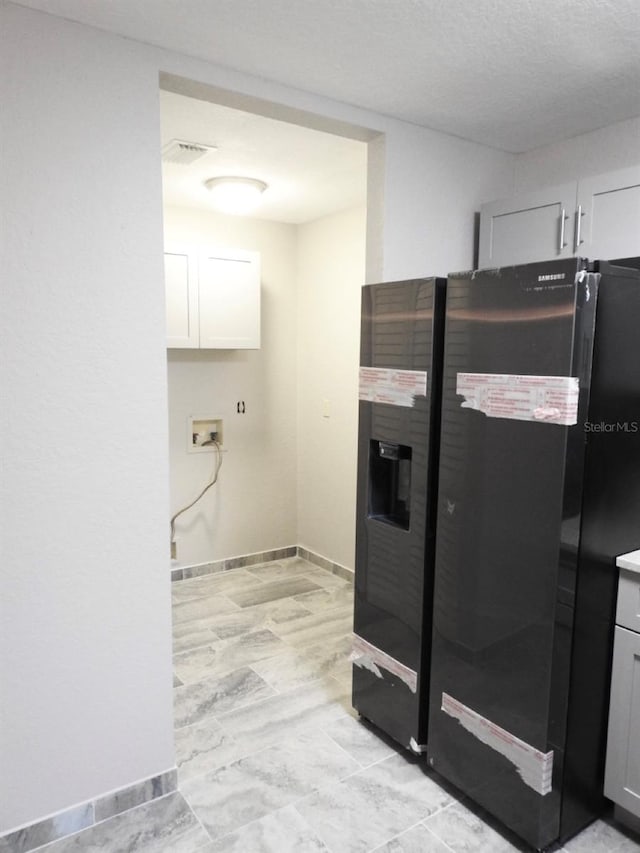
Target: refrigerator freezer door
395, 528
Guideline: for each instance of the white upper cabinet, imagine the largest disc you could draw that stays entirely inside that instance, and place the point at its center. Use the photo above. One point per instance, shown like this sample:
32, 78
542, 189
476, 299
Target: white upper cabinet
597, 218
212, 297
609, 212
181, 286
532, 227
229, 294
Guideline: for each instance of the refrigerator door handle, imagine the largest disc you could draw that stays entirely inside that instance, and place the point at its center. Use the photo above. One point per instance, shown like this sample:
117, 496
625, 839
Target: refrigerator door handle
579, 240
563, 219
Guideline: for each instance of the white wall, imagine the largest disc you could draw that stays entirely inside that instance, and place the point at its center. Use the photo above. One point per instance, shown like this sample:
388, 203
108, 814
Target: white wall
253, 506
613, 147
85, 676
85, 669
434, 184
331, 269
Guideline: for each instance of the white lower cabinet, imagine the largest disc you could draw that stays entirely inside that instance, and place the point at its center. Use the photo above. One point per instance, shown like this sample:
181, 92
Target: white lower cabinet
212, 298
622, 773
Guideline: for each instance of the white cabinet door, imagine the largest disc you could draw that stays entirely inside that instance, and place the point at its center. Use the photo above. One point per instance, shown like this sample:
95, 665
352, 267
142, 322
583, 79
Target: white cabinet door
181, 288
229, 298
609, 215
533, 227
622, 773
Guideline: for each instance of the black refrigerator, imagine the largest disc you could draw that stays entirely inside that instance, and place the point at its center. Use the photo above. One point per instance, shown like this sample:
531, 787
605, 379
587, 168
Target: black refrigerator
539, 491
399, 413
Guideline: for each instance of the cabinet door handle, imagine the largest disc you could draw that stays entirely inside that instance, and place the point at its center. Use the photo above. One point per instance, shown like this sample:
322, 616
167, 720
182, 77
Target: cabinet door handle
563, 218
579, 240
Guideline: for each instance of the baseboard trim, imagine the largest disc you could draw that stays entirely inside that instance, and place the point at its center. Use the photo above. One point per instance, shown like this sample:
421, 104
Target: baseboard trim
68, 822
318, 560
200, 569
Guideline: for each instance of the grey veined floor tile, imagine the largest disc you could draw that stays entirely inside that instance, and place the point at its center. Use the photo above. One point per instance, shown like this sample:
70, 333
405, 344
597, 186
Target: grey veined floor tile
203, 747
182, 591
194, 702
192, 635
603, 836
295, 567
271, 591
219, 583
317, 627
327, 579
418, 839
359, 740
279, 570
291, 565
202, 608
252, 747
301, 665
374, 805
327, 598
282, 831
464, 831
226, 656
251, 788
165, 825
277, 719
259, 616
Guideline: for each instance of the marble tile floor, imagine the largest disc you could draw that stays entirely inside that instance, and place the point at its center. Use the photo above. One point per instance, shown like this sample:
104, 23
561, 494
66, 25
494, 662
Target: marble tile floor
271, 757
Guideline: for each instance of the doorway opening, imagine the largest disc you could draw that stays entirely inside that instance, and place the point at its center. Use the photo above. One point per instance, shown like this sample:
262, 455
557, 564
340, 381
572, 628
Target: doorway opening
261, 633
287, 402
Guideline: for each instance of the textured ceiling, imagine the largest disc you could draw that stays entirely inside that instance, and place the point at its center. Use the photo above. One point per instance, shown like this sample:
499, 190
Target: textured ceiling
513, 74
309, 174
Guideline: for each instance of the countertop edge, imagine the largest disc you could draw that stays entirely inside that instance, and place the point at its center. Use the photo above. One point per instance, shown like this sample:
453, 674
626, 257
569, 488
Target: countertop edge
630, 561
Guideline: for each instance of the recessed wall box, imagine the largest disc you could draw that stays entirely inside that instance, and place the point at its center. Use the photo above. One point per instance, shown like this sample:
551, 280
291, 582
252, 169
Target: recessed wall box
202, 430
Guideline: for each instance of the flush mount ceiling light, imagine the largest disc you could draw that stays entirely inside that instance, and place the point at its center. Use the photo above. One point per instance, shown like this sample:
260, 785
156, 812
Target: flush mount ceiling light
235, 195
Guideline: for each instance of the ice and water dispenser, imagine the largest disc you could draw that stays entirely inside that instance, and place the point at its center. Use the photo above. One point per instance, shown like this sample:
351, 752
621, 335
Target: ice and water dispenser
390, 483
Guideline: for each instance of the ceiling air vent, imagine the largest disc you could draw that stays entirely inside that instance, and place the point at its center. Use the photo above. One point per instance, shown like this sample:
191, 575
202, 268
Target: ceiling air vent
179, 151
